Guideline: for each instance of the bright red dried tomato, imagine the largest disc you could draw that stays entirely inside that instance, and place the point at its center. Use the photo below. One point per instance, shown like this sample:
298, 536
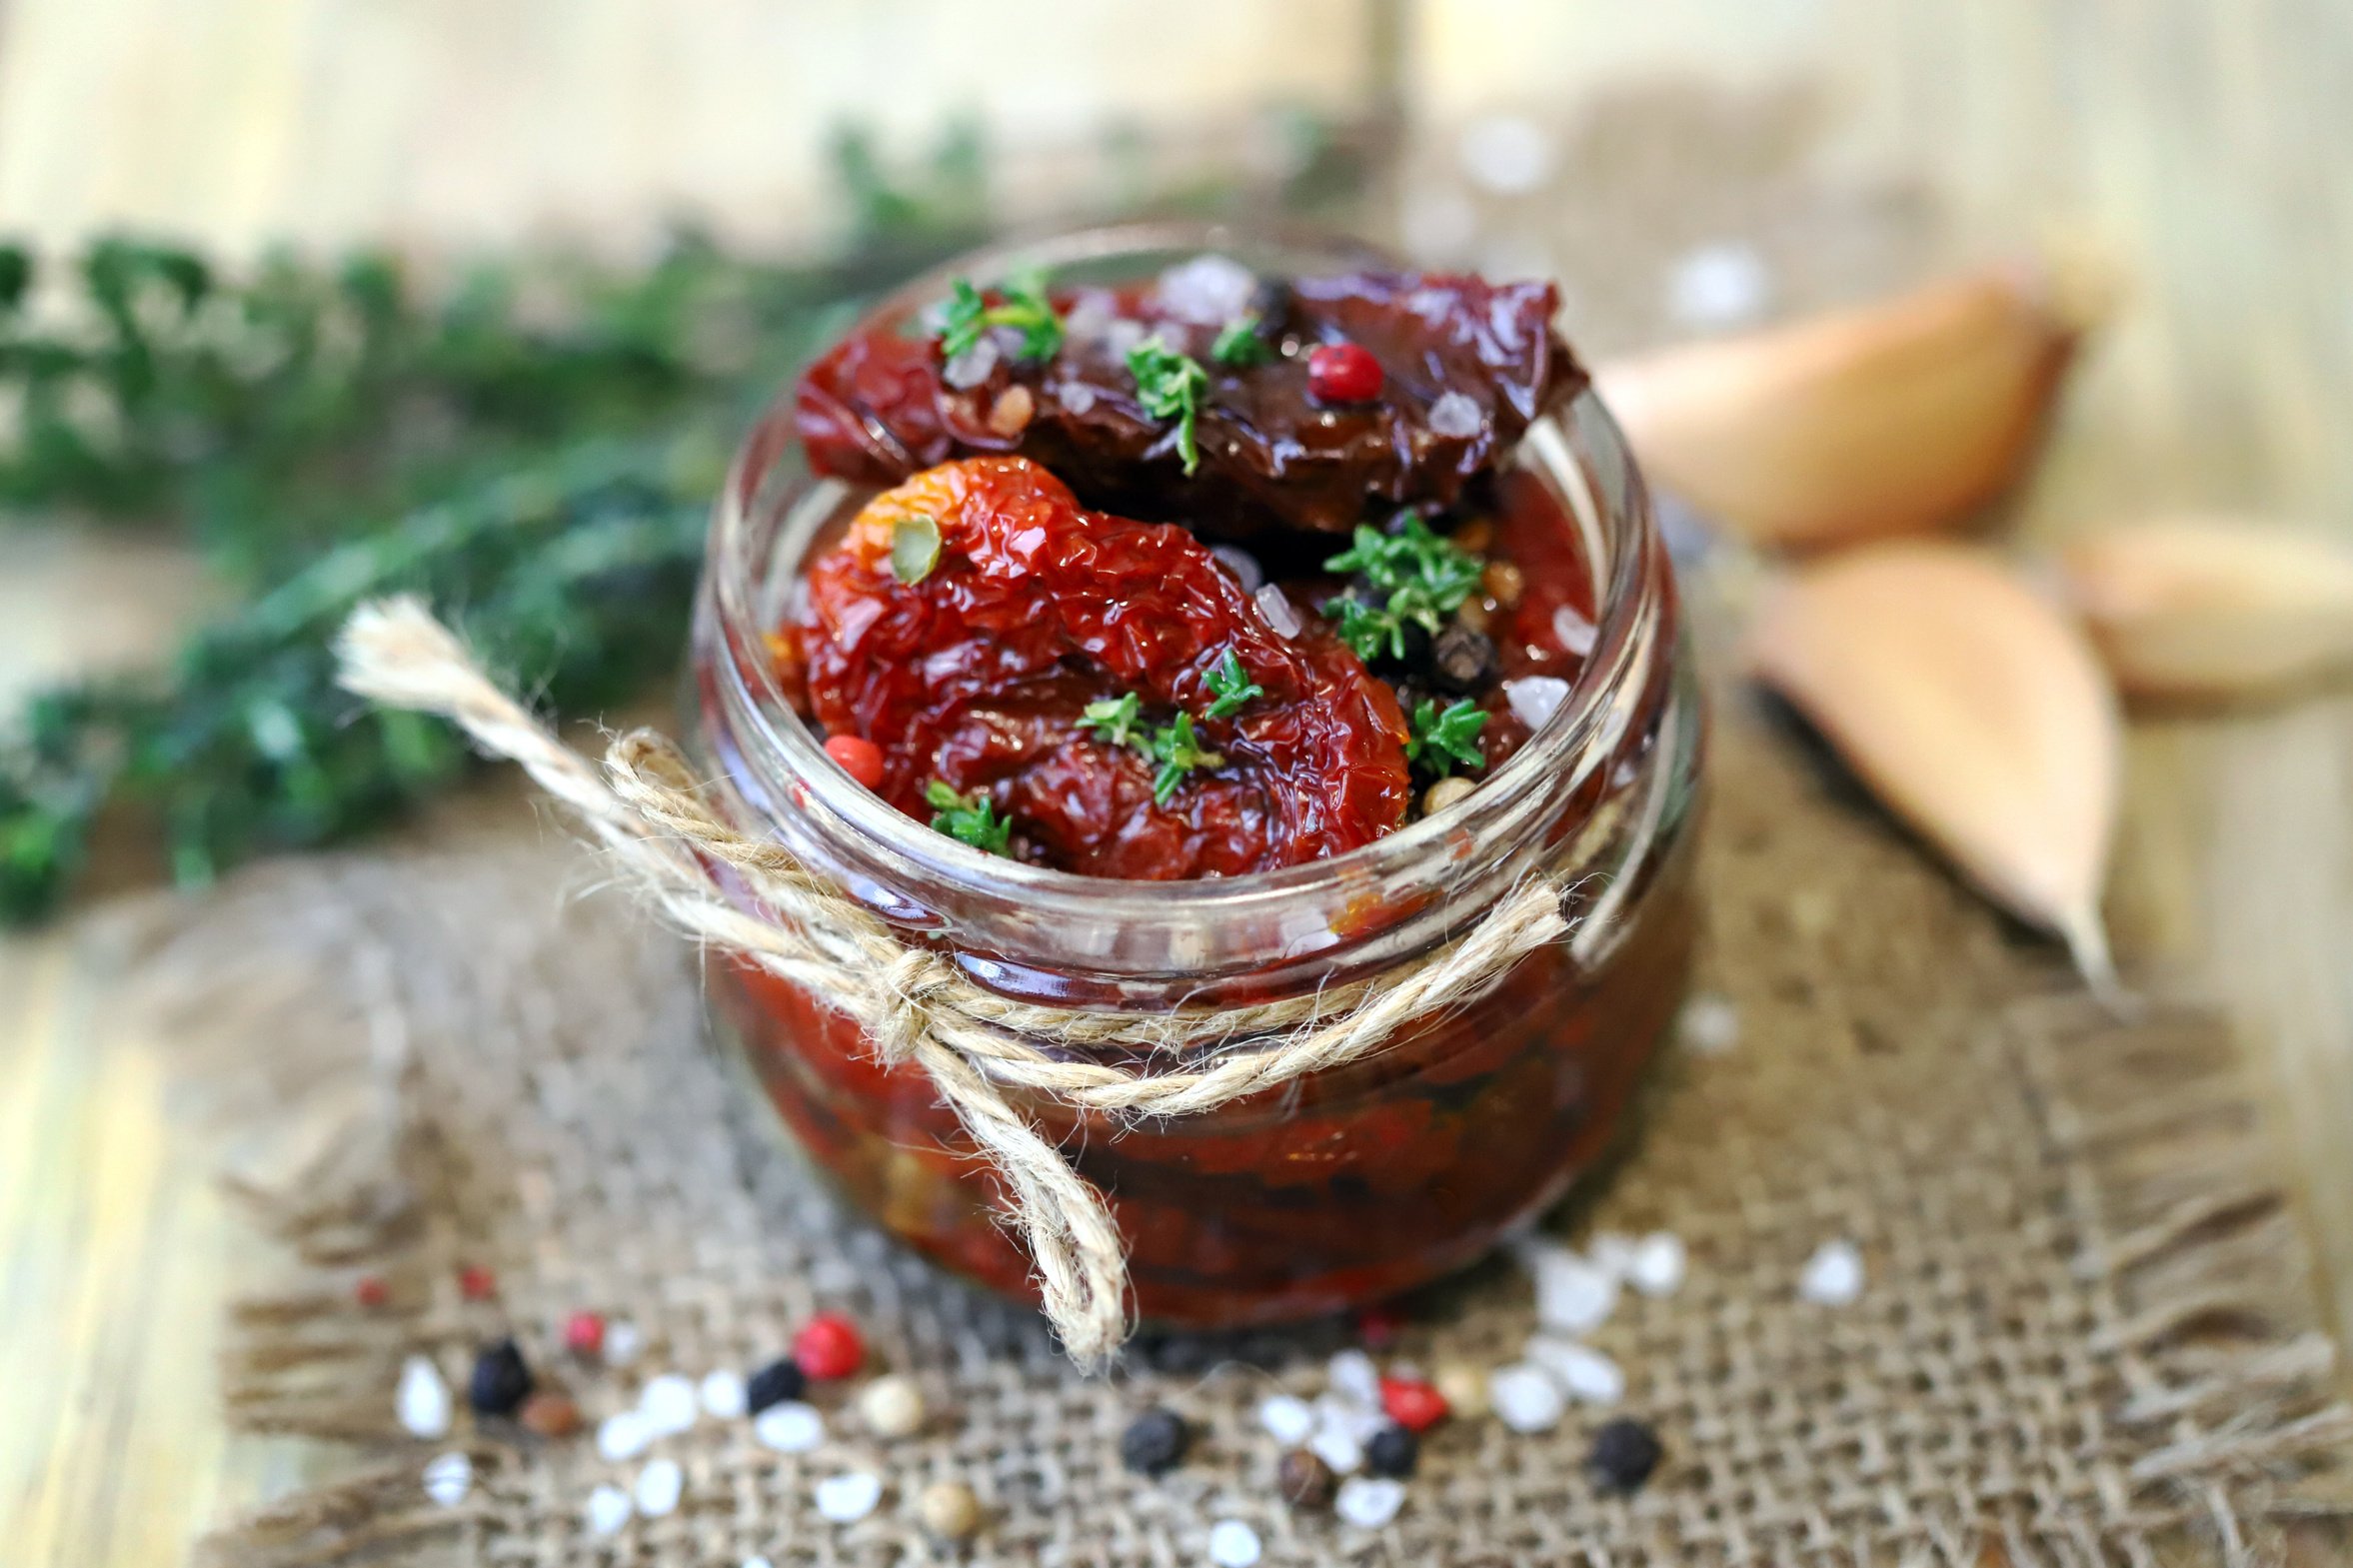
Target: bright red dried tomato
977, 675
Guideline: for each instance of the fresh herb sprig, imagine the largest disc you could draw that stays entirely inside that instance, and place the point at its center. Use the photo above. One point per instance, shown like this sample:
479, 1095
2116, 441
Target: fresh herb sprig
968, 819
1170, 384
1420, 577
1238, 344
966, 316
1180, 754
1232, 688
1441, 741
1115, 721
572, 573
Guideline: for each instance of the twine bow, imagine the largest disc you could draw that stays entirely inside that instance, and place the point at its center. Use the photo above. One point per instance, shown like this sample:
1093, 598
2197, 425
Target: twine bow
914, 1003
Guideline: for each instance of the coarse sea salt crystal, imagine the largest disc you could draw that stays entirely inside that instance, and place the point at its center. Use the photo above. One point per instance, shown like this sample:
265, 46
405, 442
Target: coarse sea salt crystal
1078, 397
1583, 1372
1572, 1295
1091, 315
1710, 1025
756, 1562
1286, 1418
790, 1428
973, 366
608, 1510
1354, 1376
621, 1435
1207, 291
1123, 335
669, 1404
623, 1340
1233, 1544
1657, 1265
1506, 154
660, 1485
1275, 606
1337, 1446
1526, 1398
1834, 1275
1454, 415
422, 1401
1534, 698
1243, 565
449, 1478
1369, 1502
848, 1497
1573, 630
722, 1393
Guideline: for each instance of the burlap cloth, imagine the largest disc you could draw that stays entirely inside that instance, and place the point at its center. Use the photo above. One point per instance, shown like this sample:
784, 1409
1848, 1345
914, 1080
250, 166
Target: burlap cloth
2086, 1333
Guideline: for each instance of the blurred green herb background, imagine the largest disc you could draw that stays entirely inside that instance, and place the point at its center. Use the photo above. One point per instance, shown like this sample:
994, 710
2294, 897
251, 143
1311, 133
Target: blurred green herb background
532, 443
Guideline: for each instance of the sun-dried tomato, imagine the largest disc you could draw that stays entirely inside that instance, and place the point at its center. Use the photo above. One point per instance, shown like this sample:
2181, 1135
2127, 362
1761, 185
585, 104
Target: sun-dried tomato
1465, 367
978, 672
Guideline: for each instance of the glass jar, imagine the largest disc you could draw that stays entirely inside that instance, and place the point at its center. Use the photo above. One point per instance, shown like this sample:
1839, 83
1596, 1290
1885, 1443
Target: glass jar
1349, 1184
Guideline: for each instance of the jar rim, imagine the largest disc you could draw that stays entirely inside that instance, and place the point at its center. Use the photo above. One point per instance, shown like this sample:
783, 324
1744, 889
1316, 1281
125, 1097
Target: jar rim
1577, 730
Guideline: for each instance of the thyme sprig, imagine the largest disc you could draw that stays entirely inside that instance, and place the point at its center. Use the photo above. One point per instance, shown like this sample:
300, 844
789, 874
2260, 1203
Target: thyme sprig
1419, 577
966, 316
1180, 754
1170, 384
970, 820
1231, 686
1440, 741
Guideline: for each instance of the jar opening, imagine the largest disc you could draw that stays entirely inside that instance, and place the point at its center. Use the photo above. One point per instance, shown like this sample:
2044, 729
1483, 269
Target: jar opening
1413, 886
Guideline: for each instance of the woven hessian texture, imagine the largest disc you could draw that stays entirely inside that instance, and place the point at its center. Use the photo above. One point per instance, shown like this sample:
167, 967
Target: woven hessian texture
2085, 1335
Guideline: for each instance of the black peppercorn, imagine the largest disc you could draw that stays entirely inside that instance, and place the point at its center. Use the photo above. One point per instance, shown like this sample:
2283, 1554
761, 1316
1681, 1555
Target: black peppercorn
1625, 1453
1304, 1480
1155, 1441
773, 1384
1463, 661
1393, 1451
501, 1381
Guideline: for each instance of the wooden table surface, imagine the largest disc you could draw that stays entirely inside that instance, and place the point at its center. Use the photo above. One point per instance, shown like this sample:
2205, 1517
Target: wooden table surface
2207, 142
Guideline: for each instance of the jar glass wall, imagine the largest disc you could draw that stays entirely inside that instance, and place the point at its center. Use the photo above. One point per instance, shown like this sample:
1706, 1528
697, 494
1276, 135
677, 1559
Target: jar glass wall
1348, 1185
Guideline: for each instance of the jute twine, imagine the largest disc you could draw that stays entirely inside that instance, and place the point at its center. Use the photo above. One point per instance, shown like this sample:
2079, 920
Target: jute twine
913, 1002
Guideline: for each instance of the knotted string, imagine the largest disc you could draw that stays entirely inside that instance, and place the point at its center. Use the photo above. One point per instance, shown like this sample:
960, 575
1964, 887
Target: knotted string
913, 1004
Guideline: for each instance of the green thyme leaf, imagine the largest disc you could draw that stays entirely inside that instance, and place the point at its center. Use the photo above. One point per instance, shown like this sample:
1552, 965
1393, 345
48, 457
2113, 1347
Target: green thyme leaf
1425, 575
1170, 384
972, 821
1232, 688
915, 546
1114, 720
1368, 629
1240, 345
966, 314
1178, 753
1442, 740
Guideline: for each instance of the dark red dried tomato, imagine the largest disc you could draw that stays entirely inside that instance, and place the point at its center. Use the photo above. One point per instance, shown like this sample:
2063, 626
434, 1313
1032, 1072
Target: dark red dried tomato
877, 407
977, 675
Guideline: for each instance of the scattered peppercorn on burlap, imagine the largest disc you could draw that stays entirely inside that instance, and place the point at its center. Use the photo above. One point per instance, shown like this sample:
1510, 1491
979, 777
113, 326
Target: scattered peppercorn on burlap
2086, 1332
2085, 1335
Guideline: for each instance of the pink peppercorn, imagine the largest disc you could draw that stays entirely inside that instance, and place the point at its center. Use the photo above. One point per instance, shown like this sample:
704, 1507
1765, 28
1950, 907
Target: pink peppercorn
827, 1347
583, 1333
476, 1283
1412, 1403
859, 758
371, 1290
1343, 373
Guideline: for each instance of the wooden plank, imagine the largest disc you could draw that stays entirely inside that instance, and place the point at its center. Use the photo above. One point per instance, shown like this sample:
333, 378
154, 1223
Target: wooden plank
2206, 142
